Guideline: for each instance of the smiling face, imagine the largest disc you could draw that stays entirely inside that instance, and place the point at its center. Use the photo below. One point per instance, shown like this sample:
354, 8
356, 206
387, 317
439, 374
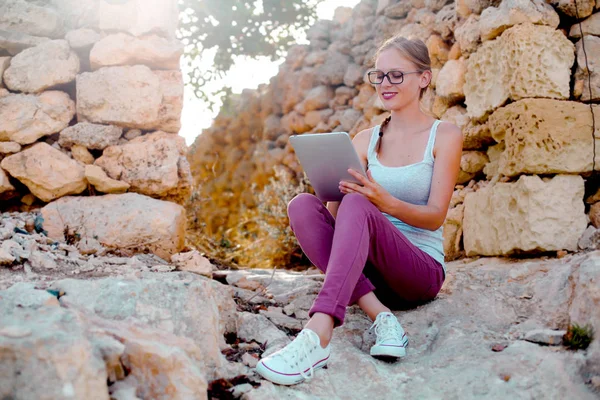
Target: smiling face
396, 96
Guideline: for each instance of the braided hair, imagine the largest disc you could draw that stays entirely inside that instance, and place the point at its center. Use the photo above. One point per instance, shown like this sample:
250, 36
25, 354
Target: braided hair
381, 129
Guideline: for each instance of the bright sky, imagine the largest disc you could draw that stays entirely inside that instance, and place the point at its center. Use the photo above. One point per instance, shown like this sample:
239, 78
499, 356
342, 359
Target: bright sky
245, 74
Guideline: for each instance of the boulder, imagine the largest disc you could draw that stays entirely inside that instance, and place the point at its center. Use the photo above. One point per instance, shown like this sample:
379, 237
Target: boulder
82, 154
451, 80
91, 136
589, 26
83, 39
528, 215
47, 172
456, 333
9, 147
5, 185
122, 49
26, 118
584, 8
495, 20
193, 261
334, 69
41, 67
468, 35
181, 304
84, 349
15, 42
544, 136
123, 221
471, 165
317, 98
453, 233
4, 63
153, 164
29, 18
131, 97
98, 178
139, 17
525, 61
591, 71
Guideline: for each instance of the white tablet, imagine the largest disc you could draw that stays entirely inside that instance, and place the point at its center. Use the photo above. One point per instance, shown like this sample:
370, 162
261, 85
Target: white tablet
326, 158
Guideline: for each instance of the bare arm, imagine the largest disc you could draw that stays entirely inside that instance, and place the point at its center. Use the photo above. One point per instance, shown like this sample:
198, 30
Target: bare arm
447, 152
361, 145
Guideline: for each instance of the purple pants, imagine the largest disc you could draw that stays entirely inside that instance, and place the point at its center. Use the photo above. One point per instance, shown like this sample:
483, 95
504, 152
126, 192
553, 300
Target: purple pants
360, 238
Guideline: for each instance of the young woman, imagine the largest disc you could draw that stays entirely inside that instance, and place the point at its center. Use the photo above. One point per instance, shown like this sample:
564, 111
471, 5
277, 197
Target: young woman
387, 231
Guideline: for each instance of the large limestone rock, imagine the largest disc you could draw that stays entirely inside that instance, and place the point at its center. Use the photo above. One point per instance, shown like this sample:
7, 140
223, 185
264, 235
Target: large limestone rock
132, 97
102, 183
528, 215
124, 221
181, 304
92, 136
453, 232
544, 136
590, 26
525, 61
5, 185
4, 63
26, 118
153, 164
87, 352
122, 49
589, 73
451, 80
494, 20
30, 18
15, 42
83, 39
579, 9
71, 369
139, 17
471, 165
47, 172
454, 336
38, 68
468, 35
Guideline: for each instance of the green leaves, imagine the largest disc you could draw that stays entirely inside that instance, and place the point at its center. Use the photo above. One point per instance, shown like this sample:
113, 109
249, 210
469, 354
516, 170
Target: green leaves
235, 27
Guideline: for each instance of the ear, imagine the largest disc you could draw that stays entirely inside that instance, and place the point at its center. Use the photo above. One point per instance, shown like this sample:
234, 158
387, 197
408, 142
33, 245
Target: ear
426, 77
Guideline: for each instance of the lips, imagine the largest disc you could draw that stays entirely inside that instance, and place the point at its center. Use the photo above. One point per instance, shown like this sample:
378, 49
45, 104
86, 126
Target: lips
388, 95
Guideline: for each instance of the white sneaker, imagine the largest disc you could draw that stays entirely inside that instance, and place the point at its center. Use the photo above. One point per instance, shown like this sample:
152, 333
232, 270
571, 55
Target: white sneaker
297, 361
391, 339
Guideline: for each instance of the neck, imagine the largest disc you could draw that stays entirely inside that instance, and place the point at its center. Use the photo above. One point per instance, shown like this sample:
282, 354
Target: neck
408, 118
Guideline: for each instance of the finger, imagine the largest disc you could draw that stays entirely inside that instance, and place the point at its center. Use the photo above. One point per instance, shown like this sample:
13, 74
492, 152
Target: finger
370, 176
358, 176
353, 187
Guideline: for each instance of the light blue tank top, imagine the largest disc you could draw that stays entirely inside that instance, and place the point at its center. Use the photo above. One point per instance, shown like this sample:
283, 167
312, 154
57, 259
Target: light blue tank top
412, 184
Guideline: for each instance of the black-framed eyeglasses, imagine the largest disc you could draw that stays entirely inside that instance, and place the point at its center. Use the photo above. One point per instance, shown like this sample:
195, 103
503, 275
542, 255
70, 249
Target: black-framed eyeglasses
394, 77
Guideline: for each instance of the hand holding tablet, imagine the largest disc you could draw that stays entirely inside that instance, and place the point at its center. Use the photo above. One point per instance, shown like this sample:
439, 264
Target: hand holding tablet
326, 158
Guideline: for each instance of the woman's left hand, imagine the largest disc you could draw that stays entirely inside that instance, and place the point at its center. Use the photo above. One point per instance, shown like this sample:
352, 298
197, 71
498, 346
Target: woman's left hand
373, 191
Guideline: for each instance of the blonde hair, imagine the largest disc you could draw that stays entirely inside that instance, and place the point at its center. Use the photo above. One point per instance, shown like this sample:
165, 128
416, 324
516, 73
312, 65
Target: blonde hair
413, 50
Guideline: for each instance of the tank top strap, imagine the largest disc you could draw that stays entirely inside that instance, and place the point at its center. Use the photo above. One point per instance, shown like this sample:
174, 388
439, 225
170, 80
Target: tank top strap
431, 141
373, 141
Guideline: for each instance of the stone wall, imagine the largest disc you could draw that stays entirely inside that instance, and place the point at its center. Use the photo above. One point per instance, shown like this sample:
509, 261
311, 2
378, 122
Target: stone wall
90, 104
511, 74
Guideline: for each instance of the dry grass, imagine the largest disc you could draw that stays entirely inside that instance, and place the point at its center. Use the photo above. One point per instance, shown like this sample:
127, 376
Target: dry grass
262, 238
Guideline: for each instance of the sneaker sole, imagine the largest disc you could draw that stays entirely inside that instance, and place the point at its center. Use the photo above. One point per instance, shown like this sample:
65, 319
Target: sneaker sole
388, 352
286, 379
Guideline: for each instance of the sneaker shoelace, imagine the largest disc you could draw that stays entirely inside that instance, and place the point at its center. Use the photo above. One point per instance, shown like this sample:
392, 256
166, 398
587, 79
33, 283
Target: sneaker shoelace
298, 350
387, 327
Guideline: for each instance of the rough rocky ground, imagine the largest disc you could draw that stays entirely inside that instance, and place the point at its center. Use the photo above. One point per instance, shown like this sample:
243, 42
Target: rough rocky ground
106, 327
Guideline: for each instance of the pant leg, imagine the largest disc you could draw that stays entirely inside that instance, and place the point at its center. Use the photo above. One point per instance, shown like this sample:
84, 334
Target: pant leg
314, 227
364, 234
